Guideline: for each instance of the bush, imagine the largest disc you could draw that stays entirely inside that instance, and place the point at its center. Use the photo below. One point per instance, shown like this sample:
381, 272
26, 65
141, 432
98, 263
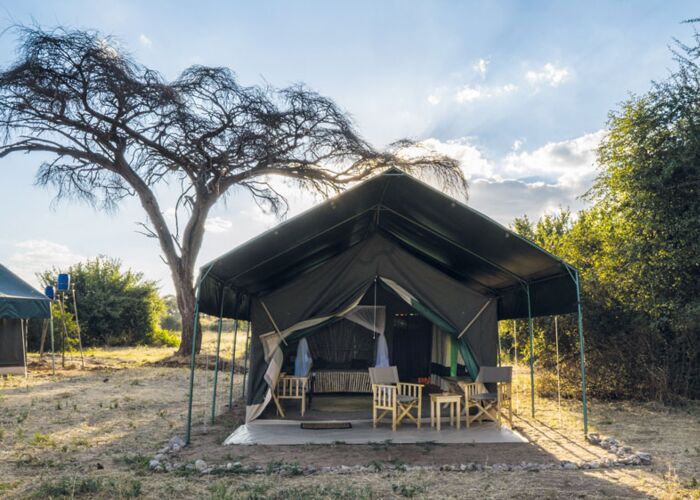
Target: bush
115, 306
164, 338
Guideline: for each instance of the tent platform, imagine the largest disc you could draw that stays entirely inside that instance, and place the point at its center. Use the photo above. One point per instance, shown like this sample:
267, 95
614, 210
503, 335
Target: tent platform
289, 432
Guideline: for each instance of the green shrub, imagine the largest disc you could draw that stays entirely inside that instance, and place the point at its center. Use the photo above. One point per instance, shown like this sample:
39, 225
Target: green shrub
164, 338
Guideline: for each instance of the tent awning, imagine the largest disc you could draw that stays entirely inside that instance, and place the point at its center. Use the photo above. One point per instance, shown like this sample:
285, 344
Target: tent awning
459, 241
18, 299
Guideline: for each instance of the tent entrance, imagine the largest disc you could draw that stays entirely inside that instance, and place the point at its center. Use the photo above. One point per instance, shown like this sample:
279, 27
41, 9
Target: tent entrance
413, 338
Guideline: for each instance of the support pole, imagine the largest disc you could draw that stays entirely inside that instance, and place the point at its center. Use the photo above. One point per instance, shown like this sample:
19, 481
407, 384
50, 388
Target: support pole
192, 361
556, 343
77, 323
53, 356
216, 359
24, 327
64, 332
515, 363
247, 355
583, 356
498, 332
532, 351
233, 354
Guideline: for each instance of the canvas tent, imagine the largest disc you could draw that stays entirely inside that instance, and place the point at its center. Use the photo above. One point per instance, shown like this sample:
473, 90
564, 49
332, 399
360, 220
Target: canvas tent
450, 263
19, 302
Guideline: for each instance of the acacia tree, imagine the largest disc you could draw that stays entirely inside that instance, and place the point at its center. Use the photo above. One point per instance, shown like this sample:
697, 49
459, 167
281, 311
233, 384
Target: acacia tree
116, 129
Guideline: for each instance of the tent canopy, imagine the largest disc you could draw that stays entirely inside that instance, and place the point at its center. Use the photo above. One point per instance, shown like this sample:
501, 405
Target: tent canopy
20, 300
445, 234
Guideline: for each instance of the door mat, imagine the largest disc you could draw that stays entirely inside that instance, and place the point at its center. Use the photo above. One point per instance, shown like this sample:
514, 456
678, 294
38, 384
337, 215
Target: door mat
318, 426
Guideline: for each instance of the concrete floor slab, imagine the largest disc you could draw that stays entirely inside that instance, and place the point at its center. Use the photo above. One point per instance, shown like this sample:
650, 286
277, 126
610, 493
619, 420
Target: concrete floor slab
289, 432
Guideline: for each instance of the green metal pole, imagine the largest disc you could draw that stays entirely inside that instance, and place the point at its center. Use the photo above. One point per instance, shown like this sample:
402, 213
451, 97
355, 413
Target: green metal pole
216, 362
53, 354
583, 356
247, 354
192, 361
532, 351
233, 354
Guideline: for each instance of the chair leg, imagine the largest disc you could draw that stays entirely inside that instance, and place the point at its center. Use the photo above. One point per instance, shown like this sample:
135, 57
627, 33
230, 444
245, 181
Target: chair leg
374, 416
393, 420
303, 405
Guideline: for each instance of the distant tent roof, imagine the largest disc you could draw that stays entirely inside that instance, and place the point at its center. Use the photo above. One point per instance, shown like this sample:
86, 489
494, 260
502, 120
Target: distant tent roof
450, 236
18, 299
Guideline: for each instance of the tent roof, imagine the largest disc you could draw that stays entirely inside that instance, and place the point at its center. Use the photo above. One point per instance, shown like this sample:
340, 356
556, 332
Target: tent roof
445, 233
18, 299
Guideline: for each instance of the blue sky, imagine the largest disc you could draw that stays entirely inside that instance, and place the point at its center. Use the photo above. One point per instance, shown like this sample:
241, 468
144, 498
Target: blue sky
518, 91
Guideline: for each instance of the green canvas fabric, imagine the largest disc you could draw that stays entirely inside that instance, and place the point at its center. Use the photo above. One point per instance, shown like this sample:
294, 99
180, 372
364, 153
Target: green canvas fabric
343, 280
439, 230
20, 300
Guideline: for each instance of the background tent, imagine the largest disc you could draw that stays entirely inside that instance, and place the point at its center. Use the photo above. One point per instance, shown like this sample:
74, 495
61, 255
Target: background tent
452, 264
18, 303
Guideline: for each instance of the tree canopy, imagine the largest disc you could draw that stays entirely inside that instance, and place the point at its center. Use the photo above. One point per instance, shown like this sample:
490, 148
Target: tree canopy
114, 129
638, 246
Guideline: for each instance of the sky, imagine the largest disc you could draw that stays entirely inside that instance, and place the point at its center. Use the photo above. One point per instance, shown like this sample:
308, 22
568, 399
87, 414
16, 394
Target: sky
518, 92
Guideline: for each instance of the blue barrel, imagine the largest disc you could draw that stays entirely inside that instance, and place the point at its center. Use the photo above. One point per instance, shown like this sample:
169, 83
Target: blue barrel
49, 292
63, 282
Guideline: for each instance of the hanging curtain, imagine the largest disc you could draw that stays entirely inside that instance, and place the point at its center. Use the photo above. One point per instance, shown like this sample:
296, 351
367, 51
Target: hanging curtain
302, 364
382, 360
371, 317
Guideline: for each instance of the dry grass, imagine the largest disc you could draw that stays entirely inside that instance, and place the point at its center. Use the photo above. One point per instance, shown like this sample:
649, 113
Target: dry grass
90, 434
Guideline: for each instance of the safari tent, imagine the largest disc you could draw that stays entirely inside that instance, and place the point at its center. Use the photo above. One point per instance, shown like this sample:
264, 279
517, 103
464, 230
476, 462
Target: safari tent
19, 302
416, 264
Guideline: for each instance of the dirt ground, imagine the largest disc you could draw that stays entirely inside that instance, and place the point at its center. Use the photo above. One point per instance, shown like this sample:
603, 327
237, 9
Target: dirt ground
90, 433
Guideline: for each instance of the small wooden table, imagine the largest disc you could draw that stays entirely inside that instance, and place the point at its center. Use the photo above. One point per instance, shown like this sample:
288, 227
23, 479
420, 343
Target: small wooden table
437, 400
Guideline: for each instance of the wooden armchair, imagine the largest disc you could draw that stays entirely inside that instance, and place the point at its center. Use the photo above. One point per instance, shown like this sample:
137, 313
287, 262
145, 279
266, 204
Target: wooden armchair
291, 387
490, 395
403, 400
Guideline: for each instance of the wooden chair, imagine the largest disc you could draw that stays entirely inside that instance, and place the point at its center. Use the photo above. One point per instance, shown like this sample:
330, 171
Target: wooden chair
490, 395
403, 400
291, 387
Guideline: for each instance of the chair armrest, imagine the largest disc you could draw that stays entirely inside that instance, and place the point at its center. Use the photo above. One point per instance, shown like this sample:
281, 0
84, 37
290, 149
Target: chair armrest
410, 389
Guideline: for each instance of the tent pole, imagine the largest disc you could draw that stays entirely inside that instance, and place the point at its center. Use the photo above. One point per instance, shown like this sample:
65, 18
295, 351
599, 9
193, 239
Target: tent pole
515, 363
532, 349
24, 325
77, 324
64, 333
216, 359
583, 356
53, 356
192, 361
233, 354
498, 332
247, 355
556, 343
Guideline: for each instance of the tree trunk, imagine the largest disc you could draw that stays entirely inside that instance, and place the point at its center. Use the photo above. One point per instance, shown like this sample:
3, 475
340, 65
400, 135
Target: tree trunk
186, 300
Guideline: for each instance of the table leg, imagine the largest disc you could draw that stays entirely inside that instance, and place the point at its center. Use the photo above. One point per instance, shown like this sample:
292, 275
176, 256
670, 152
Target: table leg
459, 414
432, 414
439, 410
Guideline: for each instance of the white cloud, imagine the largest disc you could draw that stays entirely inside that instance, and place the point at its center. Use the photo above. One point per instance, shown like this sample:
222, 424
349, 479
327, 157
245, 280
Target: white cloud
549, 74
145, 41
481, 66
34, 256
470, 93
533, 182
215, 224
570, 164
434, 99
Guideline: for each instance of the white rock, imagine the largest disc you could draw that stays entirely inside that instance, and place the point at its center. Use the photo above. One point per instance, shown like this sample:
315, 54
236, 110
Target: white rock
153, 464
566, 464
644, 458
200, 465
